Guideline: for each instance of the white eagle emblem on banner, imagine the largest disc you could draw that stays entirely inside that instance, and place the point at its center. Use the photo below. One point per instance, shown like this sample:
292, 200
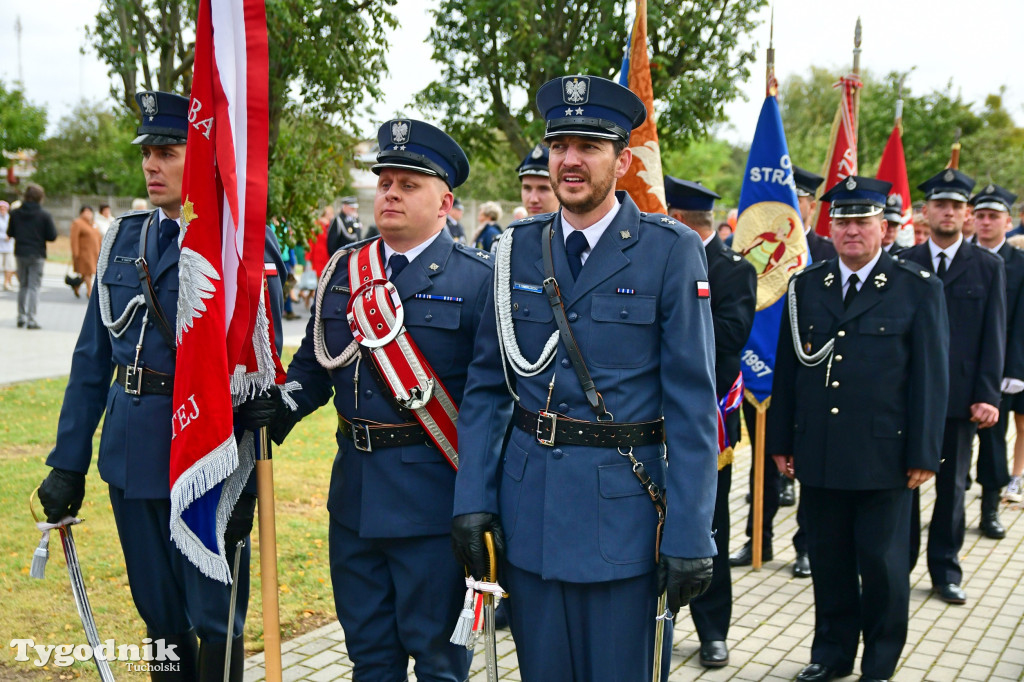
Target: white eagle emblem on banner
196, 278
575, 90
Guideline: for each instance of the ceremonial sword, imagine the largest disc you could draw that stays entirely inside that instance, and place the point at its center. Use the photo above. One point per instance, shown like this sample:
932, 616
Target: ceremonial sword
659, 635
490, 638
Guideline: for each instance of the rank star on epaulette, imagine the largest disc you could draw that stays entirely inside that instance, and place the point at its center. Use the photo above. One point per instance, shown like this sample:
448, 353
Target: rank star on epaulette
624, 234
881, 280
668, 221
925, 273
829, 278
483, 255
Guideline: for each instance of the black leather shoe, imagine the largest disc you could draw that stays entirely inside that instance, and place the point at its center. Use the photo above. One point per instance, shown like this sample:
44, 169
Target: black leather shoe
818, 672
802, 566
787, 496
21, 323
951, 593
873, 679
990, 525
744, 556
714, 654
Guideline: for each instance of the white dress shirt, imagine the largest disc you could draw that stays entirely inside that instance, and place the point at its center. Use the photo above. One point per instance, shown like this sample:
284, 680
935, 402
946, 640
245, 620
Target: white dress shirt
592, 233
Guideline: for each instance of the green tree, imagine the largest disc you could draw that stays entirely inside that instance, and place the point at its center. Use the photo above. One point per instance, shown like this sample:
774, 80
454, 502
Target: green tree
325, 55
91, 153
715, 163
22, 123
497, 53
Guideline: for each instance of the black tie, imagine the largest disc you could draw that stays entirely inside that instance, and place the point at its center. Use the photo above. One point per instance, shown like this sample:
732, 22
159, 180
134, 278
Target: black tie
168, 233
941, 271
575, 245
851, 290
397, 263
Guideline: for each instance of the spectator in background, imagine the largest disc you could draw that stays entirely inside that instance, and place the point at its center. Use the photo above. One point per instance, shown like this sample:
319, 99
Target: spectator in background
487, 225
6, 247
724, 231
519, 212
453, 224
103, 219
922, 231
140, 205
85, 248
318, 253
30, 227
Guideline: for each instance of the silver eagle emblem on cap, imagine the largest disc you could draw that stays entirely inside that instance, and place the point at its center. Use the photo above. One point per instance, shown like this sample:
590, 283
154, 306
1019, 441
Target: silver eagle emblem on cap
400, 132
892, 199
949, 175
537, 152
149, 104
851, 184
990, 189
575, 90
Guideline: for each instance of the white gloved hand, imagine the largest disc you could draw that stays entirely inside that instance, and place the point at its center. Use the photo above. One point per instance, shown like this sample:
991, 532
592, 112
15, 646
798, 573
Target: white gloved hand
1011, 386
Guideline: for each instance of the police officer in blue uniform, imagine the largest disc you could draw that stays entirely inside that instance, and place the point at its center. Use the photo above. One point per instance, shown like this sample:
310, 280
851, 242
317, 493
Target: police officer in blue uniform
858, 401
975, 288
535, 189
992, 218
398, 589
604, 332
123, 366
733, 283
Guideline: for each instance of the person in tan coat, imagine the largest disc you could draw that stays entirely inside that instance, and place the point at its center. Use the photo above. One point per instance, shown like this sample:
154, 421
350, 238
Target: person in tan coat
85, 247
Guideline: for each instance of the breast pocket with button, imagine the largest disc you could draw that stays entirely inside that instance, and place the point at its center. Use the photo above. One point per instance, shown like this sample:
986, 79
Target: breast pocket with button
624, 331
337, 333
534, 322
433, 325
122, 281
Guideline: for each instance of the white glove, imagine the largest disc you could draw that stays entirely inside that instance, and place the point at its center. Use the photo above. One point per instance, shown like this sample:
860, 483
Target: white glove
1011, 386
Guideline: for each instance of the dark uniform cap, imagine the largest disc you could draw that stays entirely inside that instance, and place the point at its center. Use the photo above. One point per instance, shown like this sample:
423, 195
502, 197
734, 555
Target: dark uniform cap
688, 196
995, 198
857, 197
350, 201
948, 184
894, 209
164, 118
457, 203
807, 183
418, 146
589, 106
536, 162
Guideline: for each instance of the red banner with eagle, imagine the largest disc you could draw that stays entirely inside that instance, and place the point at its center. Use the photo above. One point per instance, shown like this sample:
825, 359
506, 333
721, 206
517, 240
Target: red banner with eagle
842, 156
224, 346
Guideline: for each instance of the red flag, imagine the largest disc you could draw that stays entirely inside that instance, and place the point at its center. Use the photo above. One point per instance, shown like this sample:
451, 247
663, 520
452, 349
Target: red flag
893, 168
224, 339
842, 156
644, 180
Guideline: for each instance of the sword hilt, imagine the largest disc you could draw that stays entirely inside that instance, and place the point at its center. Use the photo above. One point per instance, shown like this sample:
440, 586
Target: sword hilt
492, 560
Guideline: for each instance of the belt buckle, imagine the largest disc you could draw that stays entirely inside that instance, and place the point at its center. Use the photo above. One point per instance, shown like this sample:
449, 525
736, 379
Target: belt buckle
361, 437
553, 417
133, 380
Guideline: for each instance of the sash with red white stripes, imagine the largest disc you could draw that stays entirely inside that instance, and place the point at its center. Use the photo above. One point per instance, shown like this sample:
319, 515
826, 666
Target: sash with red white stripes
729, 403
376, 315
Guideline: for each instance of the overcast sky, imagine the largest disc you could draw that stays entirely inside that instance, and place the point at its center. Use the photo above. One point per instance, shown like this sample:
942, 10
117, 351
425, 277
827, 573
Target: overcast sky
980, 47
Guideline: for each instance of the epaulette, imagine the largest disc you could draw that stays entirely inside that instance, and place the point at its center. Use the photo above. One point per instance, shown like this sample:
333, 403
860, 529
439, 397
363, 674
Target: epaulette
812, 267
915, 268
540, 219
478, 255
662, 220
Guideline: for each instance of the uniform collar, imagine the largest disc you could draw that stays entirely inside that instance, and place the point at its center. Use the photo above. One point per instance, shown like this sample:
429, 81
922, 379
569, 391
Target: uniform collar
710, 238
950, 250
161, 216
862, 273
413, 252
594, 232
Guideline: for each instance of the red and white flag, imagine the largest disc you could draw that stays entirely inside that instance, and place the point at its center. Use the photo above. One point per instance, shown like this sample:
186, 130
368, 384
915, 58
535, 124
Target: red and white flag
842, 156
225, 351
893, 168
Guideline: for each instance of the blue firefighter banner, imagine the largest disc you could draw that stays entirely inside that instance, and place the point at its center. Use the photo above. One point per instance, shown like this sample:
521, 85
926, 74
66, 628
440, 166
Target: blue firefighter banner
770, 235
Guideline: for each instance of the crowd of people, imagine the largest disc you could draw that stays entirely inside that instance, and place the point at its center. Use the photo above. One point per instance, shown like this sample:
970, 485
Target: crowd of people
525, 404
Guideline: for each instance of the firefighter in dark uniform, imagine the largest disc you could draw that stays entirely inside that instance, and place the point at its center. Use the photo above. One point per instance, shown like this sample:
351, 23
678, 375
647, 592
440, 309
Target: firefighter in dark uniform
858, 401
134, 390
992, 217
733, 283
613, 363
398, 589
975, 286
893, 215
345, 229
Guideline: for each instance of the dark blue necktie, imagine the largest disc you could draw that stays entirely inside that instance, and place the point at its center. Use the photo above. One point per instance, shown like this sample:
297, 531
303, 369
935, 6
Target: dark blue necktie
575, 245
397, 263
168, 233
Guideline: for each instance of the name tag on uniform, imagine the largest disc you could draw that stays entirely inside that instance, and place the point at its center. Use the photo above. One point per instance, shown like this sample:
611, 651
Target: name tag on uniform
338, 289
532, 288
123, 259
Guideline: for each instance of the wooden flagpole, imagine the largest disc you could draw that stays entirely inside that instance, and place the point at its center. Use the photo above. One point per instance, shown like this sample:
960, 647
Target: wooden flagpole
268, 560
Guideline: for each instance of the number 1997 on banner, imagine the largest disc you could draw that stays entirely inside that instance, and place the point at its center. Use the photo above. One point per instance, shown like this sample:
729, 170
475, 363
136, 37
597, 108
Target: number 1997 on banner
755, 363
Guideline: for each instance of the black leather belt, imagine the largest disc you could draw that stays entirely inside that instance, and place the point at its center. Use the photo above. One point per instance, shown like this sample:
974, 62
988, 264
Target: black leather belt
368, 436
550, 428
139, 380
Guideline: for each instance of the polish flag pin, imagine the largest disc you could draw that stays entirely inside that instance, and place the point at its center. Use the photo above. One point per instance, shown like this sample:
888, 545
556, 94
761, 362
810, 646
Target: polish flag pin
703, 289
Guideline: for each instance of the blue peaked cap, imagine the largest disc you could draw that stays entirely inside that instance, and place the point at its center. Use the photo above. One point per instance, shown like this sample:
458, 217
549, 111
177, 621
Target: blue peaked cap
418, 146
589, 106
688, 196
857, 196
536, 162
164, 118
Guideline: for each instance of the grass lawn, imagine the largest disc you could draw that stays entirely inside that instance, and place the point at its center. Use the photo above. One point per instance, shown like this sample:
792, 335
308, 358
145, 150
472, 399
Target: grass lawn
44, 610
